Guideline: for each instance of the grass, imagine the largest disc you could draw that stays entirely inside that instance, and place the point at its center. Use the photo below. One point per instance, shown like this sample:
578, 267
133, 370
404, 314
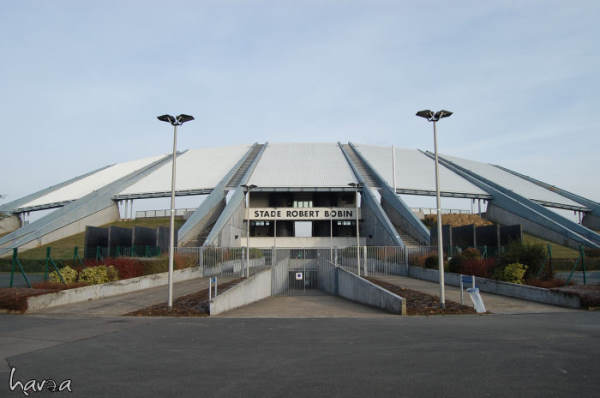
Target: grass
558, 251
63, 249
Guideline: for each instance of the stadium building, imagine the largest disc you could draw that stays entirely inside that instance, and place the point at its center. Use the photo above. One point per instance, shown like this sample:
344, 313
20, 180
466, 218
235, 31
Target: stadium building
300, 195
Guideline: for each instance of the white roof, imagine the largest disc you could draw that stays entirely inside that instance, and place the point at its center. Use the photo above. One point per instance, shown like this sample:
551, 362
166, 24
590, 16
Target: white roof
196, 169
302, 165
414, 170
512, 182
92, 182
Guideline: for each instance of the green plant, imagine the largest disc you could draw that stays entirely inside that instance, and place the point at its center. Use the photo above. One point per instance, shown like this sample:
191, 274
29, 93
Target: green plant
514, 273
431, 261
68, 274
113, 273
94, 275
531, 255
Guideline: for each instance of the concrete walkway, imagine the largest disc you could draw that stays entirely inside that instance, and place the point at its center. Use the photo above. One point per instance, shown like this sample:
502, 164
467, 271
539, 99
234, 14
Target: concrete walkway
125, 303
493, 303
316, 306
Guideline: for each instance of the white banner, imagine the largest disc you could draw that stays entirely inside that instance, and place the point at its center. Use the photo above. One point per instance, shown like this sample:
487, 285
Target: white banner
301, 213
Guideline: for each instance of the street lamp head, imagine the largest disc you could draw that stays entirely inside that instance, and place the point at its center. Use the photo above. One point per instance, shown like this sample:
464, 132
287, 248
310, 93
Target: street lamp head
442, 114
184, 118
427, 114
167, 118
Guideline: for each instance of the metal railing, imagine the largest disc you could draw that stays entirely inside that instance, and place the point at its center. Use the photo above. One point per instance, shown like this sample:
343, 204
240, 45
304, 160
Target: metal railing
162, 213
433, 210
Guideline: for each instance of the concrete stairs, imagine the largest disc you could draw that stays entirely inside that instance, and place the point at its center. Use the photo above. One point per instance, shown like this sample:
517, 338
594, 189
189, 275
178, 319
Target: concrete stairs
408, 240
361, 167
236, 179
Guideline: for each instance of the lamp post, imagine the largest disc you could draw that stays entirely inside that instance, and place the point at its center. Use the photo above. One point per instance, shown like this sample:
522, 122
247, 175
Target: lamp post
358, 186
174, 121
435, 117
248, 188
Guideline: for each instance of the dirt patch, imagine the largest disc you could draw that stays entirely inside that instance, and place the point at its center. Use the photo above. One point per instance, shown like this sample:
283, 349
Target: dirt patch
457, 220
589, 294
418, 303
195, 304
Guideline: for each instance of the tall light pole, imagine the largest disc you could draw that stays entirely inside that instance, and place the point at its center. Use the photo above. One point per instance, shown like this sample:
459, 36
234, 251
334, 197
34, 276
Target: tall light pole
358, 186
434, 117
175, 121
247, 189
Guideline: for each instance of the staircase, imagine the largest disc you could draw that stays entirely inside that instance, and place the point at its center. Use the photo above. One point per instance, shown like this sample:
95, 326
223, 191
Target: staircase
361, 167
236, 179
408, 240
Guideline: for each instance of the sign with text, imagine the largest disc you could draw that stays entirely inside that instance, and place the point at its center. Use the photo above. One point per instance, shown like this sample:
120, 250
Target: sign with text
301, 213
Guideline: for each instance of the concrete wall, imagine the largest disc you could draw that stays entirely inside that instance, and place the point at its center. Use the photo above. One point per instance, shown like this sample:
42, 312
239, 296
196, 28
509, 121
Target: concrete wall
235, 226
255, 288
95, 292
284, 242
501, 216
104, 216
9, 224
591, 221
355, 288
328, 278
523, 292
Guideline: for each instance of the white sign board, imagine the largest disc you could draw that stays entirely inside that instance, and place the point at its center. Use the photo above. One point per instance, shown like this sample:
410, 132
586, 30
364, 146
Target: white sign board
476, 299
298, 276
302, 213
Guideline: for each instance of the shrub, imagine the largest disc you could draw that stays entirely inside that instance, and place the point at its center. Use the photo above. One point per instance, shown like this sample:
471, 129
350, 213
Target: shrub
94, 275
455, 264
68, 274
155, 265
113, 273
431, 261
482, 267
531, 255
471, 253
514, 273
127, 267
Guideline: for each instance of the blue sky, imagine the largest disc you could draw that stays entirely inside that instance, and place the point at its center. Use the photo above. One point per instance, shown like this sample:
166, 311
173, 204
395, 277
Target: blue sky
81, 83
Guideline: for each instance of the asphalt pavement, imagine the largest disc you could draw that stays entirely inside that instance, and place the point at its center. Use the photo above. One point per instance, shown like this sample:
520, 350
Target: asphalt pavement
529, 355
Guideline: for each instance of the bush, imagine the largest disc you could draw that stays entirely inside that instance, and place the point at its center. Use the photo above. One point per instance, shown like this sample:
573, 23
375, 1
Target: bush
127, 267
68, 274
482, 267
431, 261
514, 273
531, 255
471, 253
156, 265
94, 275
455, 264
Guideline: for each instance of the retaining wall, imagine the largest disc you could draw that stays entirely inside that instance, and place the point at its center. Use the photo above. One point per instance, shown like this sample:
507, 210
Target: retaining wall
255, 288
525, 292
94, 292
353, 287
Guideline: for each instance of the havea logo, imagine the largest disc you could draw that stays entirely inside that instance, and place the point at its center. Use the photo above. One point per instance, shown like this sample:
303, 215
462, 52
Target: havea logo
37, 385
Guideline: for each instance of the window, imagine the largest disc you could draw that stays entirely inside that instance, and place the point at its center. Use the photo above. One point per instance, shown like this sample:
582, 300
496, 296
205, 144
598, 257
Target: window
303, 203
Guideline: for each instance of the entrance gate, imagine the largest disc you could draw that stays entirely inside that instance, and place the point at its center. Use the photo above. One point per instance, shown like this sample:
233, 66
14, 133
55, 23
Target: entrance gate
296, 271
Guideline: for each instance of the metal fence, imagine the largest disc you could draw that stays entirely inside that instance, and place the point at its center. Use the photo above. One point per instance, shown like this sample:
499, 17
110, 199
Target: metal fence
162, 213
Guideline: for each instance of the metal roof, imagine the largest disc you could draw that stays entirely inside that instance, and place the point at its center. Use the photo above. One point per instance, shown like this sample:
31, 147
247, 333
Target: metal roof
197, 169
512, 182
415, 172
309, 165
92, 182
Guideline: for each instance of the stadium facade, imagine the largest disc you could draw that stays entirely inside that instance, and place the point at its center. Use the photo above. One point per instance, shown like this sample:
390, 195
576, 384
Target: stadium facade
276, 186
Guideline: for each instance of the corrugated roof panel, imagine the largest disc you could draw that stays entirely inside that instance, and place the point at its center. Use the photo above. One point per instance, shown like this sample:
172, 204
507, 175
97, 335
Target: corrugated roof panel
302, 165
196, 169
512, 182
93, 182
414, 170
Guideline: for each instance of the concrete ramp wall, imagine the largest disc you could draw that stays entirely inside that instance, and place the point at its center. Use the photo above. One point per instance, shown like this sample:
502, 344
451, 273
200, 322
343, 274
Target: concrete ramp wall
255, 288
354, 288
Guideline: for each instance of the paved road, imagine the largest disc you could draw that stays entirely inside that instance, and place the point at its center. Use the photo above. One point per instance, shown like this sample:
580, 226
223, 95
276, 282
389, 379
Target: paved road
534, 355
493, 302
311, 306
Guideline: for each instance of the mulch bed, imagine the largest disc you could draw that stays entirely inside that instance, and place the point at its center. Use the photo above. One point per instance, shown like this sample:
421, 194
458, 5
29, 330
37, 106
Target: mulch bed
195, 304
418, 303
15, 298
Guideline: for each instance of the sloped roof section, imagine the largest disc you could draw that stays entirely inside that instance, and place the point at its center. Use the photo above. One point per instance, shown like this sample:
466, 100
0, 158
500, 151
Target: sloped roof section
92, 182
510, 181
196, 169
415, 171
308, 165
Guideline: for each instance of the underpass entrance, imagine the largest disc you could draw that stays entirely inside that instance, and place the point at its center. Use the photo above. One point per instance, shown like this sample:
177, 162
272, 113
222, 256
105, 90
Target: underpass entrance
296, 271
